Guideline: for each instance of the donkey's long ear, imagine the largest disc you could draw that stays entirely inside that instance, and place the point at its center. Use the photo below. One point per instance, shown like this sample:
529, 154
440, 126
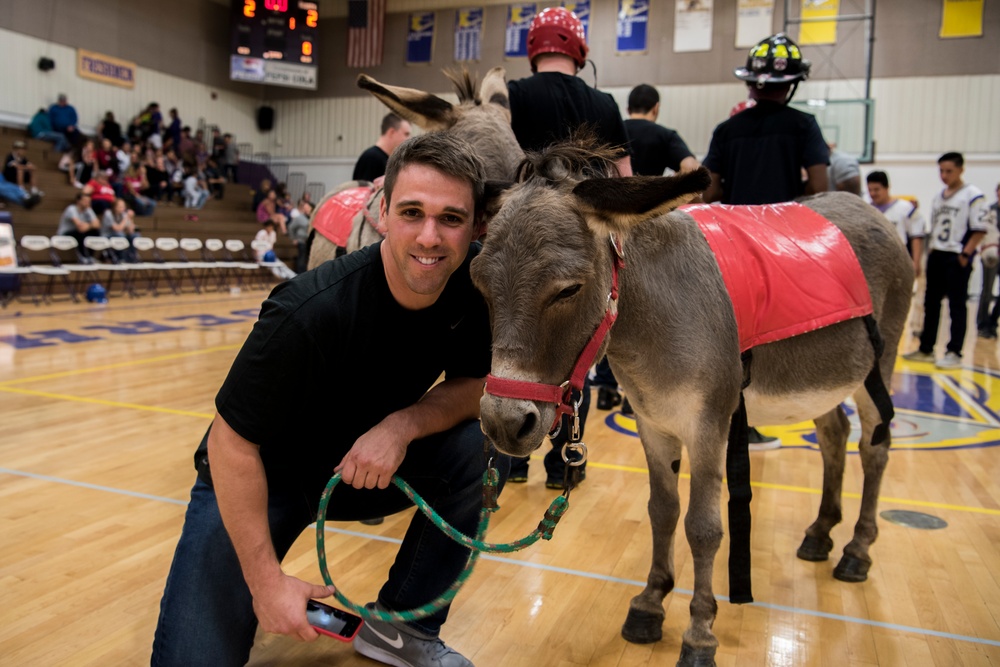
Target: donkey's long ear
427, 111
621, 203
494, 89
493, 196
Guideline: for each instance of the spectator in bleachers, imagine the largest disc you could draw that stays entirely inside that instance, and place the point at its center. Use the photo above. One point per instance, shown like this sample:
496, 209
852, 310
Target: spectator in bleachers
268, 211
230, 158
84, 166
201, 153
123, 156
172, 138
80, 221
298, 231
195, 191
63, 117
40, 127
187, 150
17, 169
152, 125
215, 180
135, 133
102, 193
17, 195
260, 194
218, 146
158, 180
119, 220
105, 156
111, 130
135, 183
263, 250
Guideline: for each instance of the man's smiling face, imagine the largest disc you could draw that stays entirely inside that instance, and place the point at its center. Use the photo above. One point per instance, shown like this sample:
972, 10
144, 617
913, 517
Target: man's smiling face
430, 224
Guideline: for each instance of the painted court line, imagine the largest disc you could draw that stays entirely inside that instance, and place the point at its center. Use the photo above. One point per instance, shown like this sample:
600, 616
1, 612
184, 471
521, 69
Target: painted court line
101, 401
560, 570
123, 364
21, 315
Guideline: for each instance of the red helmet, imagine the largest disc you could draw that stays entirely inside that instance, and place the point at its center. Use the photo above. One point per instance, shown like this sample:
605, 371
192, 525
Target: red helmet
557, 30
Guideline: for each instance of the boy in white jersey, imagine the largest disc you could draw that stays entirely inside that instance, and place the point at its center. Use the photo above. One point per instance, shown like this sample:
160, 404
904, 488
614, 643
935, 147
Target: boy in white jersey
904, 215
959, 219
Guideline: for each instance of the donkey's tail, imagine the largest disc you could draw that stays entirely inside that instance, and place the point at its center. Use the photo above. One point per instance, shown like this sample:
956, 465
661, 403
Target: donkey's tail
875, 385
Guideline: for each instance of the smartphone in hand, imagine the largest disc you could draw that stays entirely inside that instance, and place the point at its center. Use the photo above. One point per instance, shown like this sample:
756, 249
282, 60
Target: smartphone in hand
333, 622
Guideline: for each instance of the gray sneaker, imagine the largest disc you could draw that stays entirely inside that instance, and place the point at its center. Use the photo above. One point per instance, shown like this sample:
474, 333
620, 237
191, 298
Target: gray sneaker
403, 646
917, 355
949, 360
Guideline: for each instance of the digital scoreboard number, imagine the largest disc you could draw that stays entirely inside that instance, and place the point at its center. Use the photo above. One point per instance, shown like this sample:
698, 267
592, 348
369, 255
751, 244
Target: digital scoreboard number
274, 42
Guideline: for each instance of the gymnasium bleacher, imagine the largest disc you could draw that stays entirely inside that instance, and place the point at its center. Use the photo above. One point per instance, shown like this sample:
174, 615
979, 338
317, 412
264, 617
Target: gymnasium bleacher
230, 218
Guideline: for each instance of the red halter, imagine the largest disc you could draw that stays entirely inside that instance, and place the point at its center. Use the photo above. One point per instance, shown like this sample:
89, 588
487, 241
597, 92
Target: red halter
561, 394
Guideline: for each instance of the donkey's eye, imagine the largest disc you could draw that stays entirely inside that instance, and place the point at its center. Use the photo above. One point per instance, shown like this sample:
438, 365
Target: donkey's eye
567, 293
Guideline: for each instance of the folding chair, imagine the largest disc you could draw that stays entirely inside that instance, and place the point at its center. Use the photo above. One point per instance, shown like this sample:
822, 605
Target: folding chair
64, 253
35, 256
112, 266
150, 265
220, 268
235, 251
195, 262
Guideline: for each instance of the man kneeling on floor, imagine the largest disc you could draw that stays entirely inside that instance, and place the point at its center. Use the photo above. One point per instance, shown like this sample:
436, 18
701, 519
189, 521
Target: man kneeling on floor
391, 317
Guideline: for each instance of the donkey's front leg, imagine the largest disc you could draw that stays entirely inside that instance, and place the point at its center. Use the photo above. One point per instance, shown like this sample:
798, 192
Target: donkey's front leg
644, 623
703, 525
832, 431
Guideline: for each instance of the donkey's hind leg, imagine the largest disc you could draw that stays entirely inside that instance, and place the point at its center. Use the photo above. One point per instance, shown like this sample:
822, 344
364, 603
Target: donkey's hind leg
832, 430
644, 623
855, 562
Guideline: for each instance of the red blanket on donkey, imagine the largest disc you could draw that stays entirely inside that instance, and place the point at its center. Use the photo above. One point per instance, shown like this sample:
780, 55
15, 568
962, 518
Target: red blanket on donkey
788, 269
335, 215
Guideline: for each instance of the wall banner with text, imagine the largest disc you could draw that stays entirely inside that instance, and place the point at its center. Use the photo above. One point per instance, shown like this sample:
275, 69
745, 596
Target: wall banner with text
632, 26
420, 39
754, 21
519, 17
468, 33
692, 25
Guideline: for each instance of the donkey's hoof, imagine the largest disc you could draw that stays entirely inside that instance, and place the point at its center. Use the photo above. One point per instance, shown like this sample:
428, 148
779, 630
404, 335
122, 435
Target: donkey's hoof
852, 569
815, 549
643, 627
696, 657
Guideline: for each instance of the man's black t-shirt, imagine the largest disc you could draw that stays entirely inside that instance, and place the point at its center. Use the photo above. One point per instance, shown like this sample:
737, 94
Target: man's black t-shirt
333, 354
761, 151
548, 106
371, 164
654, 147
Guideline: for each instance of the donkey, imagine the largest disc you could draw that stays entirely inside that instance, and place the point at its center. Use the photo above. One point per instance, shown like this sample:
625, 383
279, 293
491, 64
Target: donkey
546, 273
481, 117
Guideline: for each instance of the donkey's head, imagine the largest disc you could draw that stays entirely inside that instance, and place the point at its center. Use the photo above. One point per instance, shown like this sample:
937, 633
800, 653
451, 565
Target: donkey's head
545, 270
481, 117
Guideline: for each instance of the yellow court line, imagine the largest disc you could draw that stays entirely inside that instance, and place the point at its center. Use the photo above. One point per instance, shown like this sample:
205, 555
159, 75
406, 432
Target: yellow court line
124, 364
817, 492
100, 401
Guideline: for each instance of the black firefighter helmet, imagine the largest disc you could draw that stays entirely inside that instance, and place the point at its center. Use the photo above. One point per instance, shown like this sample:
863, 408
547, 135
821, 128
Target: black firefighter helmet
776, 59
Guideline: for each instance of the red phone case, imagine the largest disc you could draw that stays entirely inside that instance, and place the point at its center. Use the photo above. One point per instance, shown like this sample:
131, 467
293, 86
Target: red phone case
332, 610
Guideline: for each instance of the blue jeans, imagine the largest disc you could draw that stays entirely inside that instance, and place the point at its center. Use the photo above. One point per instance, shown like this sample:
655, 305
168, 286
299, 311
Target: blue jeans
12, 192
57, 138
206, 614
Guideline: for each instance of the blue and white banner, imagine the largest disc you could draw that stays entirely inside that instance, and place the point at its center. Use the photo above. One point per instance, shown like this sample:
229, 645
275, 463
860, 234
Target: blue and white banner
468, 33
633, 20
582, 10
420, 39
519, 19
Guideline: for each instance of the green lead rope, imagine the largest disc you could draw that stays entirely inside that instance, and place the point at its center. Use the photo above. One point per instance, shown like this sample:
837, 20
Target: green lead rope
476, 545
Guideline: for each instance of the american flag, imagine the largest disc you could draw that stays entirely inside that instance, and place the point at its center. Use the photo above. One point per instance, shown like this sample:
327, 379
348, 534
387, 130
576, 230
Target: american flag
365, 32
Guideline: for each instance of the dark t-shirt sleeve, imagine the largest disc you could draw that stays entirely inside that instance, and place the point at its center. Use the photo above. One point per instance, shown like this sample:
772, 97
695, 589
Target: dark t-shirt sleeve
713, 159
675, 150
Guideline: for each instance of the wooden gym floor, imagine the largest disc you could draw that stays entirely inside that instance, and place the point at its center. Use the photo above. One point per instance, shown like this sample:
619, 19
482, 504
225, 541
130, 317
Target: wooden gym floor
103, 406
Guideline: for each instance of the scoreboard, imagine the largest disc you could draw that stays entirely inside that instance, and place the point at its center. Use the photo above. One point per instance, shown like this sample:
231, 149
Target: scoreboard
274, 42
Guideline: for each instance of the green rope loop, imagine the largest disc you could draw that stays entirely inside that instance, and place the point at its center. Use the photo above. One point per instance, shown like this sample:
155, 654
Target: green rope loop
475, 545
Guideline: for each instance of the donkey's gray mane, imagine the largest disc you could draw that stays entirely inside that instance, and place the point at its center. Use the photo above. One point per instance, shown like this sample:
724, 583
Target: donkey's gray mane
578, 158
466, 85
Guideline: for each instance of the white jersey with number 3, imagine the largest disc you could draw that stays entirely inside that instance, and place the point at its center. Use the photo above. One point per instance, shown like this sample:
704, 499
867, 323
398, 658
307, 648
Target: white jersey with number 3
954, 217
907, 220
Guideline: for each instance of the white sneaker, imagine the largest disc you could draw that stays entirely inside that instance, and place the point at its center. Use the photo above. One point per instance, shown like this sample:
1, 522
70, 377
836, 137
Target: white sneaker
922, 357
949, 360
758, 442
